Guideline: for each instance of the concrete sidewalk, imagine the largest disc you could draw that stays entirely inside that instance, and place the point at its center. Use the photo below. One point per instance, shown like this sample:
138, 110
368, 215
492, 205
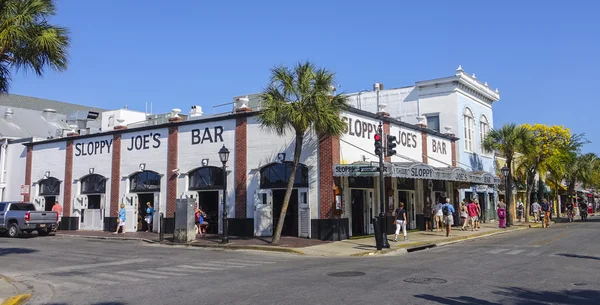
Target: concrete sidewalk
350, 247
9, 294
416, 241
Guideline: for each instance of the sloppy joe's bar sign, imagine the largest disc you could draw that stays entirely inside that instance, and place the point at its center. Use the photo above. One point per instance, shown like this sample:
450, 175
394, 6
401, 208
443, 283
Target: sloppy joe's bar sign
93, 148
360, 127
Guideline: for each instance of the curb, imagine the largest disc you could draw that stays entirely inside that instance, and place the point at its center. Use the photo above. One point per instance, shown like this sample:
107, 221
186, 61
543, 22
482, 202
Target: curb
240, 247
17, 299
424, 245
107, 238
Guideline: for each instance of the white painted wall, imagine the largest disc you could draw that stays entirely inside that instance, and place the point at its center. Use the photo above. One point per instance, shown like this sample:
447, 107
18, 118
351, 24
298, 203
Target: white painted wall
48, 157
357, 140
93, 153
203, 141
263, 147
439, 151
16, 157
151, 150
409, 144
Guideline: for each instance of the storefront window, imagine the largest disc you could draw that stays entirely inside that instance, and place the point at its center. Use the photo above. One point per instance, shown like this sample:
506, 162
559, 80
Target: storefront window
93, 184
405, 183
147, 181
206, 178
49, 187
361, 182
276, 175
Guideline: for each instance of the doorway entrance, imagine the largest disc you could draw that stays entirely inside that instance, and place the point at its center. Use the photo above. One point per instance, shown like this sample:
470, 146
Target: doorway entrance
50, 201
144, 198
290, 224
408, 197
208, 201
362, 211
91, 211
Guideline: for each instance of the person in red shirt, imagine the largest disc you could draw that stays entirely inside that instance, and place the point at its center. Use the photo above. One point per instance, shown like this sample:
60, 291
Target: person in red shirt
58, 209
473, 210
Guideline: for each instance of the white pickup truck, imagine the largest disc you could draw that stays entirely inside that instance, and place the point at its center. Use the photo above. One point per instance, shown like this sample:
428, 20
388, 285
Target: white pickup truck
19, 217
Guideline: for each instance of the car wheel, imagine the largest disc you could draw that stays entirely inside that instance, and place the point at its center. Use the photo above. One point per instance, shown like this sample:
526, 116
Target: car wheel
13, 230
43, 232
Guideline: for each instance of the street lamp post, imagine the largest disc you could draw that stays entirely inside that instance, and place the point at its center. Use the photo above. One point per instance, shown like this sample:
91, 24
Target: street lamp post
224, 156
507, 190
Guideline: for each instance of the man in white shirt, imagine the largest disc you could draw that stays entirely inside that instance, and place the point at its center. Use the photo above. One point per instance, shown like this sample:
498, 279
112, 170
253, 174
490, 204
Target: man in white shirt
439, 216
535, 209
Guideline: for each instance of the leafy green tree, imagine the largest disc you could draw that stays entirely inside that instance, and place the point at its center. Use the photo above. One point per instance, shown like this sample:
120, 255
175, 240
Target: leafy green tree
300, 100
28, 41
507, 140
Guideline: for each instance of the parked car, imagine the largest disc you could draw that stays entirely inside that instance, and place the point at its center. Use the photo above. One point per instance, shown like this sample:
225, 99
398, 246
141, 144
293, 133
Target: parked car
19, 217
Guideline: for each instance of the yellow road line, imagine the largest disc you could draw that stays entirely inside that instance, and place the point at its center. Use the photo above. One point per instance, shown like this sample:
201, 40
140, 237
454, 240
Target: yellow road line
17, 299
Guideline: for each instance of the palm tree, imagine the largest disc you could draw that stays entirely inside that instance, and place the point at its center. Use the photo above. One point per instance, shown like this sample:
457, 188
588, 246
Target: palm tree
300, 100
28, 40
507, 140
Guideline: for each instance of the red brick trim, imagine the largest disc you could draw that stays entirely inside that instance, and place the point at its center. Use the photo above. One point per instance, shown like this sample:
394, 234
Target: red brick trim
241, 158
28, 160
115, 176
68, 188
424, 137
171, 166
329, 154
453, 145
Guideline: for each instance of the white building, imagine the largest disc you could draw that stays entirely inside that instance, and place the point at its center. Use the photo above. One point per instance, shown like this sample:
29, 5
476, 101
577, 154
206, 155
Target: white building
460, 104
154, 162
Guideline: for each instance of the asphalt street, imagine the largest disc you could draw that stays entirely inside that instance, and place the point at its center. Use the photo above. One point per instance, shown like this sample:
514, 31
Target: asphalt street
559, 265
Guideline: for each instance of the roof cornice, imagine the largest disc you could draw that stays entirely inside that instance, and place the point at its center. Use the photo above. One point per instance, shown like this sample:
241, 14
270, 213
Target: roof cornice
466, 83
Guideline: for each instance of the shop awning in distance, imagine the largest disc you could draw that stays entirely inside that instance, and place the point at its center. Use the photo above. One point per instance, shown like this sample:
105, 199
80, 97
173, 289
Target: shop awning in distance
416, 171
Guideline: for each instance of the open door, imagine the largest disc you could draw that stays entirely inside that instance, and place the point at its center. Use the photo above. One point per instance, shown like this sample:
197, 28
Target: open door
157, 211
220, 216
40, 203
412, 218
263, 213
131, 202
369, 211
303, 214
80, 202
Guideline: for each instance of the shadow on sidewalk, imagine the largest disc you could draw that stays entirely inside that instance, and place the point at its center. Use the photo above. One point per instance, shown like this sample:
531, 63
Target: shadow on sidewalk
521, 296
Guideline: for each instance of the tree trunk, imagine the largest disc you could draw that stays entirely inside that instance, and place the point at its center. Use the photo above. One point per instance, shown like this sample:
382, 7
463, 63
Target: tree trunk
529, 180
508, 193
290, 187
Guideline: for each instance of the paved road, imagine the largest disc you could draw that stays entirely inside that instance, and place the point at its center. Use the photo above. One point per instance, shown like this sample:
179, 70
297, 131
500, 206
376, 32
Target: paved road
538, 266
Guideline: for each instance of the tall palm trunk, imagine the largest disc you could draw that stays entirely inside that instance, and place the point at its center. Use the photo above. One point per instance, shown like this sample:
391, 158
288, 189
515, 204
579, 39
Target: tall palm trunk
508, 192
290, 187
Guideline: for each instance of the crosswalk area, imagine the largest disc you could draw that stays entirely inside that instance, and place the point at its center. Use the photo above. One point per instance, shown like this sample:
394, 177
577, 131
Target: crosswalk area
529, 251
137, 271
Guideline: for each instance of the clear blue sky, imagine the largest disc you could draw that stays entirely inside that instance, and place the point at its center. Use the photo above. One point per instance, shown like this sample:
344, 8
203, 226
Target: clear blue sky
543, 56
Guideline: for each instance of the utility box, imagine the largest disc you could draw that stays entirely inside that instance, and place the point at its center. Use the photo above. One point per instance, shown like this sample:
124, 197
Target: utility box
185, 231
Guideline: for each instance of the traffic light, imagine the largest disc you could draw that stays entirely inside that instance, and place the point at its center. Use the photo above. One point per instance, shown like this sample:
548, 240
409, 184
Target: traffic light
391, 144
378, 145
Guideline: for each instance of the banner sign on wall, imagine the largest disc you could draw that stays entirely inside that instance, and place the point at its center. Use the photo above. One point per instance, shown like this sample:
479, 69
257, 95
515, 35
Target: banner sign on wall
416, 171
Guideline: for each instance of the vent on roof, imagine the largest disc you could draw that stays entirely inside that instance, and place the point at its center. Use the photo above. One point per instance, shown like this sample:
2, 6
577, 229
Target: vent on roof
49, 110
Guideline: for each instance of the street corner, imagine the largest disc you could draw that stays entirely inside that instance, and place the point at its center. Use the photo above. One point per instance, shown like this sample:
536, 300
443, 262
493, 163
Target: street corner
17, 299
9, 294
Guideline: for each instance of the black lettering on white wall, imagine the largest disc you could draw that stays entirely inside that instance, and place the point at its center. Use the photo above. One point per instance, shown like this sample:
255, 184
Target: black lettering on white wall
93, 148
143, 142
